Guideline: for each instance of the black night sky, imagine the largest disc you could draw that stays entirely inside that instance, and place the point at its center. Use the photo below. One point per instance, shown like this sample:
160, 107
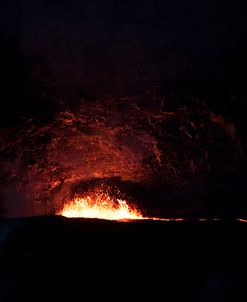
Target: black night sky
96, 48
147, 99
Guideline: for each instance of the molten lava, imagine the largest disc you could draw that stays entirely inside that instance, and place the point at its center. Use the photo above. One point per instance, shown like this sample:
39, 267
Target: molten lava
100, 206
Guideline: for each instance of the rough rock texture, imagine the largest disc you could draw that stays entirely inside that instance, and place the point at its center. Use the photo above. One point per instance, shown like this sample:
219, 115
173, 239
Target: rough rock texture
148, 97
132, 139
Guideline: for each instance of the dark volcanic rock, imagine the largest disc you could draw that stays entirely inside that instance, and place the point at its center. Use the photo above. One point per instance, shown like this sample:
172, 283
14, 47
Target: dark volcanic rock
150, 92
46, 258
180, 157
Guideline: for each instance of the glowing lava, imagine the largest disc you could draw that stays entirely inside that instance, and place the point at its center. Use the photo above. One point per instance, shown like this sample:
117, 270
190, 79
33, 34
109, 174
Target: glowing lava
100, 206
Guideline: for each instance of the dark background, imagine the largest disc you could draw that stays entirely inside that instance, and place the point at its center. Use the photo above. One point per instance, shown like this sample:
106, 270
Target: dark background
92, 47
159, 87
54, 258
56, 53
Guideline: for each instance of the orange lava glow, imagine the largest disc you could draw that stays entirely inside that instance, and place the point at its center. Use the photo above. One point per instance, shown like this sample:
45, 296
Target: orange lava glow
242, 220
100, 206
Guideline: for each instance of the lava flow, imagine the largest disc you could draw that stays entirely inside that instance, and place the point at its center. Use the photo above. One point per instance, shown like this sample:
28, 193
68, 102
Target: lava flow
101, 206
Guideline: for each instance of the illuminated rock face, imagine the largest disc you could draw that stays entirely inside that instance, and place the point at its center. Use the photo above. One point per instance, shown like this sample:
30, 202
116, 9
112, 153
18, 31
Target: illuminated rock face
42, 164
